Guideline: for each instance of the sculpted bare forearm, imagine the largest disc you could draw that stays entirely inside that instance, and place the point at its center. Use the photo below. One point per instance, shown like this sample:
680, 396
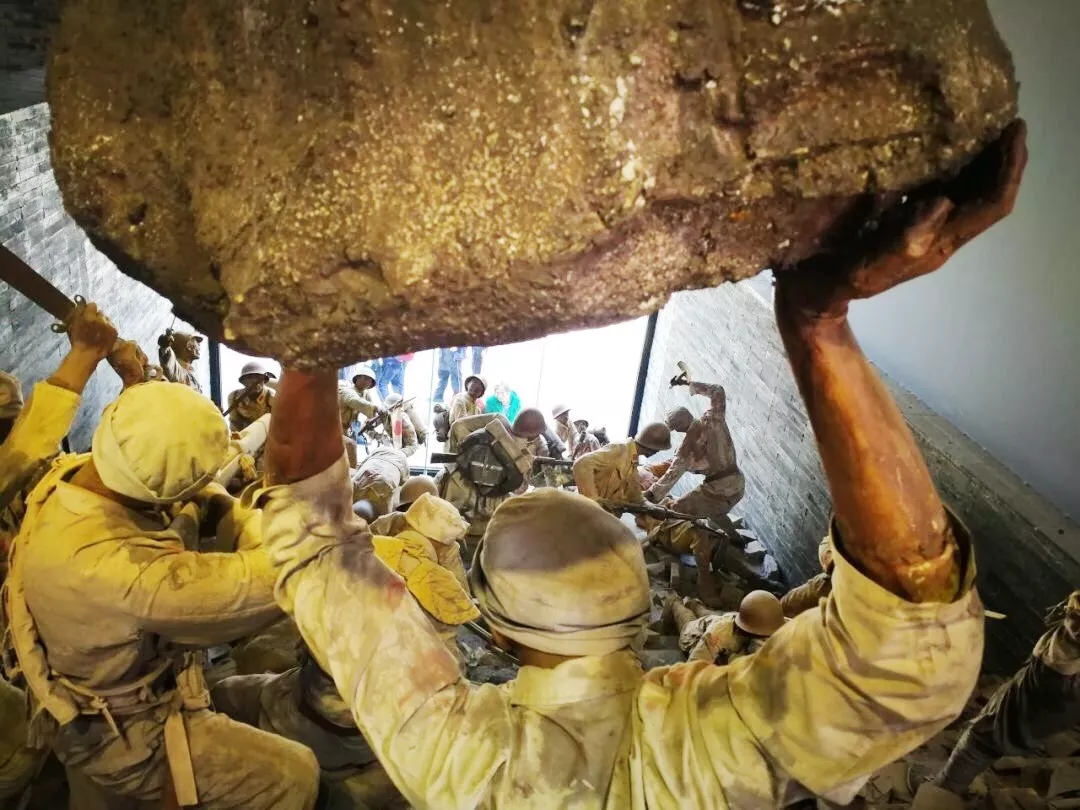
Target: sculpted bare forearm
893, 524
305, 432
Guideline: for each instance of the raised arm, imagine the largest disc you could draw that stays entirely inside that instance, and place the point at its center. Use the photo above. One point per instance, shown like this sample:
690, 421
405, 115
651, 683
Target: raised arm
892, 656
714, 391
404, 687
892, 522
47, 417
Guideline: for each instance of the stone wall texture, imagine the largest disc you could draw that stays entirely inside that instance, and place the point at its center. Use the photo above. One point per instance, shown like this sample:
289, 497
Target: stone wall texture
25, 27
34, 226
1028, 551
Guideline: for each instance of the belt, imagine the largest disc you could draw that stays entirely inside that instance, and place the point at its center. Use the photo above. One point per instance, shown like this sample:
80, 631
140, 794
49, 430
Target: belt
716, 476
157, 688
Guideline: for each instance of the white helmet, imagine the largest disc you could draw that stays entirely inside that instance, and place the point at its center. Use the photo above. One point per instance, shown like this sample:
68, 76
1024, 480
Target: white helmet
364, 370
253, 367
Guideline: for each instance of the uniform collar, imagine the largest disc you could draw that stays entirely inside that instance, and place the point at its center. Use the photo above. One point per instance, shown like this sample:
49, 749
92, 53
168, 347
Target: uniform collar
588, 678
84, 502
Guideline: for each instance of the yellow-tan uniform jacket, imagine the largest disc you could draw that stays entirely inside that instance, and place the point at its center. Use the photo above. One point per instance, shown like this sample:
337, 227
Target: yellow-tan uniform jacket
715, 639
463, 405
34, 439
610, 473
835, 695
116, 599
806, 596
352, 404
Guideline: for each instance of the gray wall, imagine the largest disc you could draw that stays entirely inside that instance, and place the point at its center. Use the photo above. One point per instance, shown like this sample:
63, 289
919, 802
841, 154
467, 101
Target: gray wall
992, 342
1028, 551
34, 226
24, 35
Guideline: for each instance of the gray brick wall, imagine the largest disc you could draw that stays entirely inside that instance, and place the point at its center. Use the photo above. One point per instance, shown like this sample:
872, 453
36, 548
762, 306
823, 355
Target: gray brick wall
24, 33
34, 225
1029, 552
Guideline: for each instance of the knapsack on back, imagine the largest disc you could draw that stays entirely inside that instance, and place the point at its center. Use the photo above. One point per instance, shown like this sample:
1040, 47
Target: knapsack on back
492, 459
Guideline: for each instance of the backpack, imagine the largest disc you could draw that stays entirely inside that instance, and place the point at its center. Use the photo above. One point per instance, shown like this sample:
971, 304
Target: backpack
492, 459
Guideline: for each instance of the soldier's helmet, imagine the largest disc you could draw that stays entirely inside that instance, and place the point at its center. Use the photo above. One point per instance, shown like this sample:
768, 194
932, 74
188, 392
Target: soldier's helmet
414, 488
655, 436
760, 614
254, 368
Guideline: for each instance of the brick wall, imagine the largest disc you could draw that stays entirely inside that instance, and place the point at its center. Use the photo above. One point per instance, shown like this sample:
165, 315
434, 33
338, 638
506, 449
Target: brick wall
24, 33
34, 225
1029, 552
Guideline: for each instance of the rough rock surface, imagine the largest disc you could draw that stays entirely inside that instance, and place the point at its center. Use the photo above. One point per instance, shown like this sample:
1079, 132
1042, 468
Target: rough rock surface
337, 179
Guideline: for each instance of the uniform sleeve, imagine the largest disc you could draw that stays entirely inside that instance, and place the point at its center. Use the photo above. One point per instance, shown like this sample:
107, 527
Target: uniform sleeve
351, 403
418, 424
716, 394
807, 596
170, 366
838, 693
442, 741
192, 598
678, 468
832, 697
35, 437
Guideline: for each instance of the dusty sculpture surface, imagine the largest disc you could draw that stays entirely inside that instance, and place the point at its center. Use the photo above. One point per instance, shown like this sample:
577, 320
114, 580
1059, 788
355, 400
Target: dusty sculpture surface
337, 179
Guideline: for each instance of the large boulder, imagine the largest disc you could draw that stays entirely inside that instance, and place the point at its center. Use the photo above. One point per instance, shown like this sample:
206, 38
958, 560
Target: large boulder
337, 179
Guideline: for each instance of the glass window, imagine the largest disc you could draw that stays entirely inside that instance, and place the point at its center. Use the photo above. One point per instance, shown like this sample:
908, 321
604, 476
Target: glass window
592, 371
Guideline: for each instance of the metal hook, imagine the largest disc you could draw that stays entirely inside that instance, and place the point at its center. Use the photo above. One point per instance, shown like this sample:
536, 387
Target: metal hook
61, 328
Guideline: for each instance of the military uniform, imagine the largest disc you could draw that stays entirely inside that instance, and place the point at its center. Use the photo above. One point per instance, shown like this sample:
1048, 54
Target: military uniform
1040, 700
353, 404
716, 640
34, 440
303, 704
102, 603
177, 370
806, 596
583, 444
463, 405
566, 435
243, 410
610, 473
822, 706
379, 476
456, 488
707, 449
409, 439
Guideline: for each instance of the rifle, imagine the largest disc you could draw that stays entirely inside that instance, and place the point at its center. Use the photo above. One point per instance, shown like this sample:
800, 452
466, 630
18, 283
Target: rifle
538, 463
245, 396
381, 414
660, 513
490, 641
